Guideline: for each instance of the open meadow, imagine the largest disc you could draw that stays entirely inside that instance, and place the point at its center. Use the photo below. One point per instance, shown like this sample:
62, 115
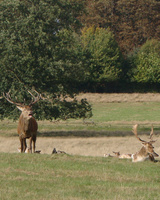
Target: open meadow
83, 173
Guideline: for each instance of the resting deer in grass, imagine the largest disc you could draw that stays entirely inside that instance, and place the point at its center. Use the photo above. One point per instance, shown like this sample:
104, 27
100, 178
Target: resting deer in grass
118, 155
147, 151
27, 125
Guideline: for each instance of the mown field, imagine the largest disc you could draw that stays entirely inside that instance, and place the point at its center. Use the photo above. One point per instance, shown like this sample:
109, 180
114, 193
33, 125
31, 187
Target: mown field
72, 176
59, 177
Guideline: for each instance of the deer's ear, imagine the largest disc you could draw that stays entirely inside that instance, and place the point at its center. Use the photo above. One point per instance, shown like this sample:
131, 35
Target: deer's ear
21, 108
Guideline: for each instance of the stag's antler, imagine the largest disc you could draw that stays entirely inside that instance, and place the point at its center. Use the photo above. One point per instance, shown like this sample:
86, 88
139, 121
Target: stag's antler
36, 99
9, 99
151, 133
134, 130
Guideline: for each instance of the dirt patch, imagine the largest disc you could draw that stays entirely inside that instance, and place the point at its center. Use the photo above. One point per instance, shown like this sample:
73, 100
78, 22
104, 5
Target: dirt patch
120, 97
80, 146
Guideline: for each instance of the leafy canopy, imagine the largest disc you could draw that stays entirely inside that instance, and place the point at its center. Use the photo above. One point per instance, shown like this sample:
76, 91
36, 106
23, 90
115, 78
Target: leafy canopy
103, 54
147, 62
38, 50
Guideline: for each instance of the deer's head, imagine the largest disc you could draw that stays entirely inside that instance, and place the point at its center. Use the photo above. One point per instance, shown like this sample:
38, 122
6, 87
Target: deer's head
117, 154
149, 148
25, 109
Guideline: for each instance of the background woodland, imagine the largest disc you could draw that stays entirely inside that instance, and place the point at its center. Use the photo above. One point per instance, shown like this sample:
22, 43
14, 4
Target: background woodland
62, 47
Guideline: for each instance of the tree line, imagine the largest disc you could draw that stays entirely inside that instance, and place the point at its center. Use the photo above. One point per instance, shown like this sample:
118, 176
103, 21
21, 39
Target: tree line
62, 47
135, 26
132, 22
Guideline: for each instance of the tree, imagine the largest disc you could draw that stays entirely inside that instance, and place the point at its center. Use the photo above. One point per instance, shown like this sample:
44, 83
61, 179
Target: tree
147, 63
132, 22
39, 51
138, 21
104, 58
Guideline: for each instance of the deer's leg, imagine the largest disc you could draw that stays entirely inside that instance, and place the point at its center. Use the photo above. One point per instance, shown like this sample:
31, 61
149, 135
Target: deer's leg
30, 144
21, 143
34, 144
24, 144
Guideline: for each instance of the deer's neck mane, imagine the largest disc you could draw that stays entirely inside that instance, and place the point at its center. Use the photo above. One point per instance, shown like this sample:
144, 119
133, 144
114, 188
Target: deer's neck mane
143, 152
141, 155
24, 122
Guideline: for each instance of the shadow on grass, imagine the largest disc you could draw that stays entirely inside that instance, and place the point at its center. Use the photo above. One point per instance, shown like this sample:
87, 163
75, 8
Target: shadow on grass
83, 134
87, 134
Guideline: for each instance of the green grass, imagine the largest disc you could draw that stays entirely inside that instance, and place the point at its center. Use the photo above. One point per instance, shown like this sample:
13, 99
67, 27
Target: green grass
58, 177
108, 118
65, 177
139, 111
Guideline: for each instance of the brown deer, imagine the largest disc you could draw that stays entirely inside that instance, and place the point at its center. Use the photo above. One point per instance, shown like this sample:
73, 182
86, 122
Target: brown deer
27, 125
118, 155
57, 152
147, 151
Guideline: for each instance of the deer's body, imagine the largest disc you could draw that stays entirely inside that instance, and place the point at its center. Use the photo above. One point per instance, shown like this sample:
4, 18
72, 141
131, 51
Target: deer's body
127, 156
27, 128
147, 151
143, 155
27, 125
140, 156
118, 155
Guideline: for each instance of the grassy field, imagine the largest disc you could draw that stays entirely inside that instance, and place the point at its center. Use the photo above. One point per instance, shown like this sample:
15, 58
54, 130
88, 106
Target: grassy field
108, 119
58, 177
73, 177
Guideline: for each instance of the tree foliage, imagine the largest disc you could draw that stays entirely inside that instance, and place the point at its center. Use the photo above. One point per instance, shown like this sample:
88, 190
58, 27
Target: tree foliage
38, 51
60, 47
104, 57
147, 63
132, 22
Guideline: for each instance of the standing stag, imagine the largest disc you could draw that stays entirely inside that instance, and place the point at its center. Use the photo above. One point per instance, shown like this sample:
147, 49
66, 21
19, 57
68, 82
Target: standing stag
27, 125
147, 151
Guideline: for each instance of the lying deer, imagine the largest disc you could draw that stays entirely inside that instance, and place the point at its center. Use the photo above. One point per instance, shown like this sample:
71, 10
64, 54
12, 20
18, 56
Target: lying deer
57, 152
147, 151
27, 125
118, 155
128, 156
